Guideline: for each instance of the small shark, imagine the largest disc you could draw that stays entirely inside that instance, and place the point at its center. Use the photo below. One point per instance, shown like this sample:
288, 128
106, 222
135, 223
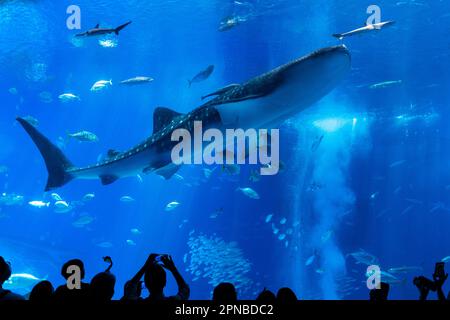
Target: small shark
263, 102
367, 28
202, 75
97, 31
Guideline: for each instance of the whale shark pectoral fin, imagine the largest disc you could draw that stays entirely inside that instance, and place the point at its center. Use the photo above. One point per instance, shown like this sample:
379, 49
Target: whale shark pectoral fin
108, 179
168, 171
222, 90
162, 116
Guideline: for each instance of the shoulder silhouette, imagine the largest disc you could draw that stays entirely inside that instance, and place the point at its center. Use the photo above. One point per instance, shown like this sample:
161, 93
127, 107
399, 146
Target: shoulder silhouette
42, 292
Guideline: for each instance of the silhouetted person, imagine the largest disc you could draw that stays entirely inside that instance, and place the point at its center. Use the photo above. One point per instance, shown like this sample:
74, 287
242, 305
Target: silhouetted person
63, 293
155, 280
42, 292
286, 295
424, 285
224, 292
380, 294
267, 297
102, 284
132, 291
5, 273
133, 287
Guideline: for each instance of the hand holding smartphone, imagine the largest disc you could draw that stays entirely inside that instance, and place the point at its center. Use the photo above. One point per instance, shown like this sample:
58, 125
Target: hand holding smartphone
439, 270
439, 274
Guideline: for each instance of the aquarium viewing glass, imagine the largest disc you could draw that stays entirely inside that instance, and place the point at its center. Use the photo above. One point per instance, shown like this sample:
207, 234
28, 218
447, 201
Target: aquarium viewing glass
265, 143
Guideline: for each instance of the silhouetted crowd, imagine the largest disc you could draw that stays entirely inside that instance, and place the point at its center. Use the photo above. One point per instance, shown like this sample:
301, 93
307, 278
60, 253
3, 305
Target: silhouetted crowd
154, 277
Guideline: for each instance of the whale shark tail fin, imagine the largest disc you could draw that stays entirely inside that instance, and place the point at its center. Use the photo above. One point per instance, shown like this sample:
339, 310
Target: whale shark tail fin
339, 36
55, 161
119, 28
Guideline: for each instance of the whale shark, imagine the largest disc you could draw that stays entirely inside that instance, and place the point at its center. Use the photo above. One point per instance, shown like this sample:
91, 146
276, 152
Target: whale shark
262, 102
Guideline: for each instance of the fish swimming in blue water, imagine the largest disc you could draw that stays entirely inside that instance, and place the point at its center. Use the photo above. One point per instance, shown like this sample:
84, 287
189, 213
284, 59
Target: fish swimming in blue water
135, 231
365, 29
88, 197
39, 204
172, 206
405, 269
310, 260
127, 199
62, 207
101, 85
68, 97
230, 22
97, 31
83, 220
83, 136
249, 192
385, 84
202, 75
19, 281
265, 101
363, 257
137, 80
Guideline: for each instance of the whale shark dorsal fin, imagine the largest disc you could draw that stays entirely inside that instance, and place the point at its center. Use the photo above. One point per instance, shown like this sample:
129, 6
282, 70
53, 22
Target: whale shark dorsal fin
162, 116
97, 26
222, 90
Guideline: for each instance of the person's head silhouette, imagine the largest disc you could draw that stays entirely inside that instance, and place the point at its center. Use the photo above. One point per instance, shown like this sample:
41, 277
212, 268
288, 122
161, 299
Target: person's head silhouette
132, 290
74, 262
224, 292
102, 286
42, 292
266, 296
286, 295
155, 279
5, 270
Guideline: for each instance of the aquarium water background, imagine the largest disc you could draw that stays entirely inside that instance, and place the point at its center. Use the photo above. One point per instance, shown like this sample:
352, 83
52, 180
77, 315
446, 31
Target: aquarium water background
366, 168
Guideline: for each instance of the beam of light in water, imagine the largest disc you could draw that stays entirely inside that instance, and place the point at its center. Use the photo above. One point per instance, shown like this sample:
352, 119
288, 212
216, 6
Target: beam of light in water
331, 124
330, 169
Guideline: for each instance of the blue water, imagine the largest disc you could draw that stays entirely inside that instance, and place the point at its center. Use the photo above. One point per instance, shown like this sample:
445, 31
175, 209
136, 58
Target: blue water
378, 181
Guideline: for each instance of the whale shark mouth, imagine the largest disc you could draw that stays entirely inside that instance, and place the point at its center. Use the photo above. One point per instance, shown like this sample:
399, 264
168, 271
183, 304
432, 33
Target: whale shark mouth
289, 89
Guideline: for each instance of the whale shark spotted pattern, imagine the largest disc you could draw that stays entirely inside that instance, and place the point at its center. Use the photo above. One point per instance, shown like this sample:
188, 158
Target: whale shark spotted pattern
263, 102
